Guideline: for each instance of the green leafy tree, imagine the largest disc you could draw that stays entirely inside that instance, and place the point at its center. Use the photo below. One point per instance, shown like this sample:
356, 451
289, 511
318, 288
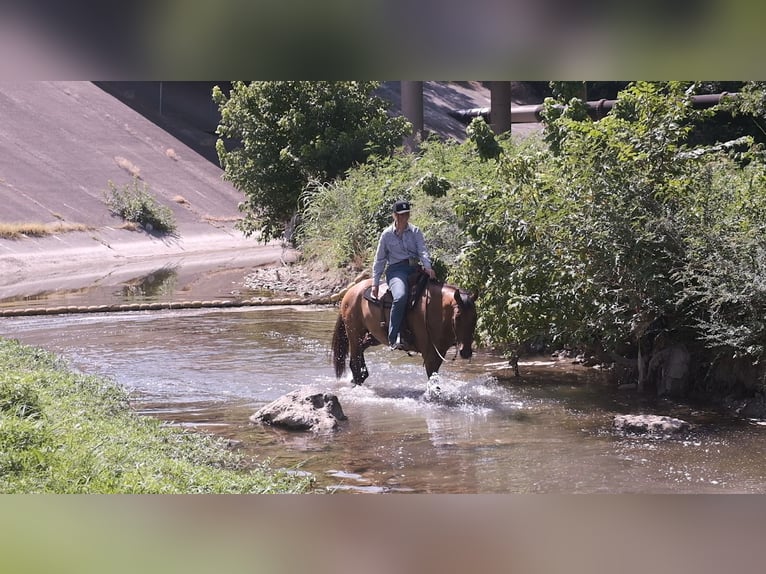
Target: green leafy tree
275, 137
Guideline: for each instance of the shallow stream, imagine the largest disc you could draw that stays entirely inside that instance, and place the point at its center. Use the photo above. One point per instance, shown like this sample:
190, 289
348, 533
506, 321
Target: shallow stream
481, 432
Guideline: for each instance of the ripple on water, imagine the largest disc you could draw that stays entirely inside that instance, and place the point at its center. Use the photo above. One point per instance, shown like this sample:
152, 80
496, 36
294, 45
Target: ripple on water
464, 431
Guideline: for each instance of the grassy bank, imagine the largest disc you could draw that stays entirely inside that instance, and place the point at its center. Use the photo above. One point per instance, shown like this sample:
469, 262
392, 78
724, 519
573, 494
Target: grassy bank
64, 432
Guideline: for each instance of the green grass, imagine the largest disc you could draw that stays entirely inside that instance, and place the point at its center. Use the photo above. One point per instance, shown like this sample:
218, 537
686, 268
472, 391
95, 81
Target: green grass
64, 432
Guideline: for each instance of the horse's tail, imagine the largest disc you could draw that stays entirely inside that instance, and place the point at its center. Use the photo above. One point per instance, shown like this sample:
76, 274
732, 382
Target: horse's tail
339, 347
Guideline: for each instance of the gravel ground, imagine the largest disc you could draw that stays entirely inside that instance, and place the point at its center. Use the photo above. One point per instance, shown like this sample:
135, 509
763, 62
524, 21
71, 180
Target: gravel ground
298, 280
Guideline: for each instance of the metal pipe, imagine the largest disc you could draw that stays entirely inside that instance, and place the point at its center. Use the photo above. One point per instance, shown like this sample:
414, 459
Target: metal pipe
597, 109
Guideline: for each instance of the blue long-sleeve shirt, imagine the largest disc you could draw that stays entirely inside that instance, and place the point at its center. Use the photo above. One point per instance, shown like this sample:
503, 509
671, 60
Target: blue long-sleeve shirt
392, 249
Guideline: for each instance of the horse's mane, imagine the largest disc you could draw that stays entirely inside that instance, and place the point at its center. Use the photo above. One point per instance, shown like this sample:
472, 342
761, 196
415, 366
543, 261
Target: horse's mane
466, 296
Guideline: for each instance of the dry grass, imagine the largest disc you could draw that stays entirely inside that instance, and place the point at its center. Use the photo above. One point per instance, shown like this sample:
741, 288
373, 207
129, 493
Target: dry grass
129, 226
20, 230
221, 218
128, 166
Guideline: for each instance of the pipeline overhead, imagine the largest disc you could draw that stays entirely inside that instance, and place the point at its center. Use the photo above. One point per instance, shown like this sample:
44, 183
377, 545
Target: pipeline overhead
597, 109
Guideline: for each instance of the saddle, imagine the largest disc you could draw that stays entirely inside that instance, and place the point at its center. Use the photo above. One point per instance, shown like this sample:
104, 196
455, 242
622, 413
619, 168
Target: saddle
416, 282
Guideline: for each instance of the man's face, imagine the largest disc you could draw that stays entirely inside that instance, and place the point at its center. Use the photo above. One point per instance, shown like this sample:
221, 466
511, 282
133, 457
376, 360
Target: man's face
402, 218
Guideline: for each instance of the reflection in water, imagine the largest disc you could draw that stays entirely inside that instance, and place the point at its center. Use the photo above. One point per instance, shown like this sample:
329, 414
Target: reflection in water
158, 285
467, 431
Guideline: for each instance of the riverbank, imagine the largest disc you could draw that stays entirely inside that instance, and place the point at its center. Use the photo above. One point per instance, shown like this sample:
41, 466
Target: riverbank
63, 432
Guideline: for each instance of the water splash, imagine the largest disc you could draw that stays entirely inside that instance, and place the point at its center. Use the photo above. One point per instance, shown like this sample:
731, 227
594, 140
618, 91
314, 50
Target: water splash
481, 395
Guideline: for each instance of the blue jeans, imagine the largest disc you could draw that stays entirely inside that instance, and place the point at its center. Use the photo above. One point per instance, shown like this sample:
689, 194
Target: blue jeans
396, 276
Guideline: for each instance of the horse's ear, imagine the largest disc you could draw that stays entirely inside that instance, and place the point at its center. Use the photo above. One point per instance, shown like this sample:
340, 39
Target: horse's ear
459, 298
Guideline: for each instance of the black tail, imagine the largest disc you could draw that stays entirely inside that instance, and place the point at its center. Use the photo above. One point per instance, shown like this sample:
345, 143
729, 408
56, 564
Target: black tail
339, 347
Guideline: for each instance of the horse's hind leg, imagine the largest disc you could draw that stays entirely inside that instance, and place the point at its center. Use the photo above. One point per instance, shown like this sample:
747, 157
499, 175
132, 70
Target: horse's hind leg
359, 369
357, 364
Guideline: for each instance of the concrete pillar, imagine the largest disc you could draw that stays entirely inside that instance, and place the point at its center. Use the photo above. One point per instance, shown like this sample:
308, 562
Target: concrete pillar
500, 106
412, 108
583, 92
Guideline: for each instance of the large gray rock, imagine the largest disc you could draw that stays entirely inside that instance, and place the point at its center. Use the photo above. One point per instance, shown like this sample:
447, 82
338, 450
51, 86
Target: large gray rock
304, 410
650, 424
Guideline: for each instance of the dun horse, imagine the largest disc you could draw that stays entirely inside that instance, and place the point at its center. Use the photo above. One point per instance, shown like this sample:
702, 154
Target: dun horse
441, 317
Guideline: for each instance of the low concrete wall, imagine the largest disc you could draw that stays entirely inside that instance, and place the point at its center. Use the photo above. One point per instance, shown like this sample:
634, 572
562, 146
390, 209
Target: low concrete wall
161, 306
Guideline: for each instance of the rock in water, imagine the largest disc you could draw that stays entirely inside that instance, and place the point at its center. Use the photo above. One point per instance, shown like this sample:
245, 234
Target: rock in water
304, 410
650, 424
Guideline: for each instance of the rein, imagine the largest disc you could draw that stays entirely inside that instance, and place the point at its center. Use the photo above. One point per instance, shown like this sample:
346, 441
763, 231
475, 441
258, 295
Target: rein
428, 330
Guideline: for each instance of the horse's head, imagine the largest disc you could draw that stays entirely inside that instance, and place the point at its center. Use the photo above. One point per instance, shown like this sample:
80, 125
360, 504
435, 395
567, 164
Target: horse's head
464, 322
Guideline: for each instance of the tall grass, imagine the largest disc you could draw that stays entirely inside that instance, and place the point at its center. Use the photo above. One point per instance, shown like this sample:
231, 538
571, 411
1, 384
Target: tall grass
63, 432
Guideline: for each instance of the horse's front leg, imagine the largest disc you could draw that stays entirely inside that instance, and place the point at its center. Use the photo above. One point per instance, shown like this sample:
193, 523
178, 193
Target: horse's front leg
432, 361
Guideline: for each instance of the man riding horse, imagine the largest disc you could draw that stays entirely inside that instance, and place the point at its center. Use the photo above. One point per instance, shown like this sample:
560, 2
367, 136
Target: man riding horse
400, 248
438, 315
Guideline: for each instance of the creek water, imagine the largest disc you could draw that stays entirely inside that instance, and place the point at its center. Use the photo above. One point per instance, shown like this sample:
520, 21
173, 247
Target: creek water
482, 431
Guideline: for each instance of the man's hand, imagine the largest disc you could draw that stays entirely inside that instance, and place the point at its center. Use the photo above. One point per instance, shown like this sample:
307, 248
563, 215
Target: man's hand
374, 292
431, 273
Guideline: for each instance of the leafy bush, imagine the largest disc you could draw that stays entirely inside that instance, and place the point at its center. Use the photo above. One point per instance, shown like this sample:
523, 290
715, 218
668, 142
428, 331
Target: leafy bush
342, 220
586, 235
134, 203
581, 242
723, 283
483, 138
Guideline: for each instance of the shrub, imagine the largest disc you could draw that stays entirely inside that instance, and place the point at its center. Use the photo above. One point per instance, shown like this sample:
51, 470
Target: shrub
483, 138
578, 244
135, 204
342, 220
723, 285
